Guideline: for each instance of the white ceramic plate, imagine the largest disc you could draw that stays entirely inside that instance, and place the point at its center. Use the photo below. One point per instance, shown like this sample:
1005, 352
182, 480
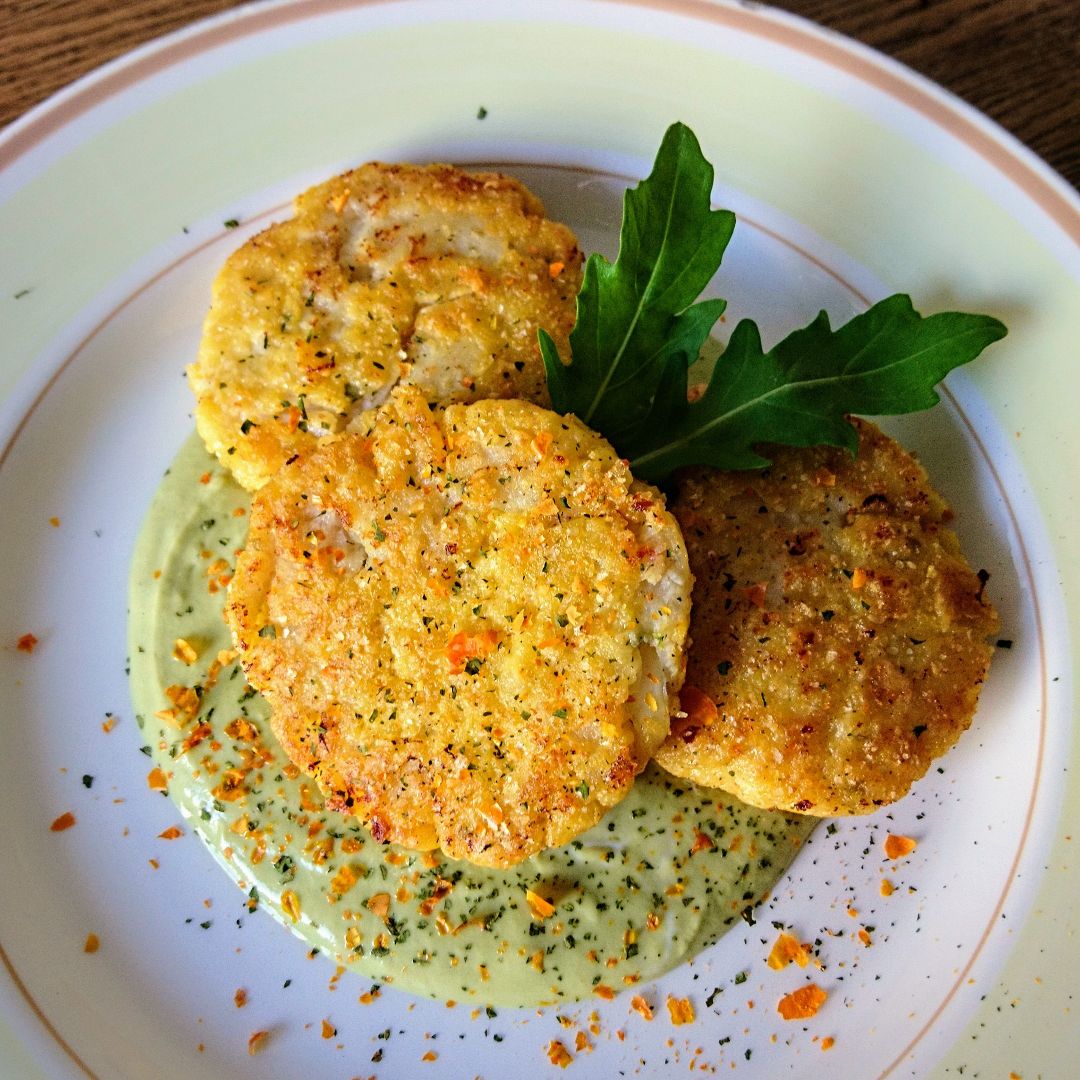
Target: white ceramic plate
852, 178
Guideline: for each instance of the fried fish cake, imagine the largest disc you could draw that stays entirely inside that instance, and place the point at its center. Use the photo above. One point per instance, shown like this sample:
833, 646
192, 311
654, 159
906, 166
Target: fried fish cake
839, 636
389, 273
468, 623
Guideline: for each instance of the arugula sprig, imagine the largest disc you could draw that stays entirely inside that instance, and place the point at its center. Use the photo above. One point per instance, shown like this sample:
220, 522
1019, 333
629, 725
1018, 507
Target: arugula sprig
638, 331
885, 361
636, 315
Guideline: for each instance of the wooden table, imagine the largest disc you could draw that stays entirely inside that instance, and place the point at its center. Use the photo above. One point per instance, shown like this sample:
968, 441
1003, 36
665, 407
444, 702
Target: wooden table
1016, 60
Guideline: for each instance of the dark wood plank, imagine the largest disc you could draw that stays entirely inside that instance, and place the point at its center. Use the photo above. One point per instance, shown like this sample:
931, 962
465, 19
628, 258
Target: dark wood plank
47, 44
1018, 61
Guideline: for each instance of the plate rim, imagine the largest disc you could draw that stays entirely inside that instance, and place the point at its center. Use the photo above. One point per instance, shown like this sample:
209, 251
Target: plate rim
942, 108
1034, 177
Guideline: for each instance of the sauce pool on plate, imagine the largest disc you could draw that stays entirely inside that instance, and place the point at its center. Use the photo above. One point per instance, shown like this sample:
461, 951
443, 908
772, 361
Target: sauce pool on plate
661, 877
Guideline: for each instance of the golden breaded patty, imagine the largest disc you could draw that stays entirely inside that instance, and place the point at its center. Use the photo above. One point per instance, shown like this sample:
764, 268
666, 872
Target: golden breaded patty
419, 274
839, 637
468, 623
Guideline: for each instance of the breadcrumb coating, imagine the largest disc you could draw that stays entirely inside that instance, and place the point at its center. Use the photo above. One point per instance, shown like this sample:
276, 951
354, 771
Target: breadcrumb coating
468, 623
389, 273
839, 636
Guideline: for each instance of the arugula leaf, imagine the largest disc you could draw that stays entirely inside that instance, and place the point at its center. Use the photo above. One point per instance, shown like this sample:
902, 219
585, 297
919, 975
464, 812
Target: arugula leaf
884, 361
638, 313
638, 331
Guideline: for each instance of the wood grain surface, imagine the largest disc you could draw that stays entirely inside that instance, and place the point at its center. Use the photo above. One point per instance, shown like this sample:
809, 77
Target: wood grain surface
1018, 61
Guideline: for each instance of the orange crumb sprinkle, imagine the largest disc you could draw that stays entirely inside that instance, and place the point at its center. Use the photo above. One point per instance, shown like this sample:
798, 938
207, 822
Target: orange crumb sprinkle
858, 578
680, 1010
109, 723
290, 902
291, 418
756, 593
54, 522
556, 268
64, 821
173, 832
558, 1054
185, 699
27, 643
328, 1030
896, 847
463, 647
344, 880
257, 1041
887, 887
786, 950
538, 906
156, 779
864, 937
639, 1004
184, 651
604, 992
828, 1042
702, 842
541, 443
240, 998
803, 1003
92, 944
430, 1056
379, 905
700, 709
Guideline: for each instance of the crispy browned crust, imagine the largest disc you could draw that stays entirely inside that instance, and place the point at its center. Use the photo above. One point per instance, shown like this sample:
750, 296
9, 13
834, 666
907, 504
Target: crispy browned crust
419, 274
839, 638
467, 624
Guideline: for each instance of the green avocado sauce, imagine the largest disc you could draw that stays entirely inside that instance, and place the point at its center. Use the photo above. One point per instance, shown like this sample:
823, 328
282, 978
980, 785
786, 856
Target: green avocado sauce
656, 881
